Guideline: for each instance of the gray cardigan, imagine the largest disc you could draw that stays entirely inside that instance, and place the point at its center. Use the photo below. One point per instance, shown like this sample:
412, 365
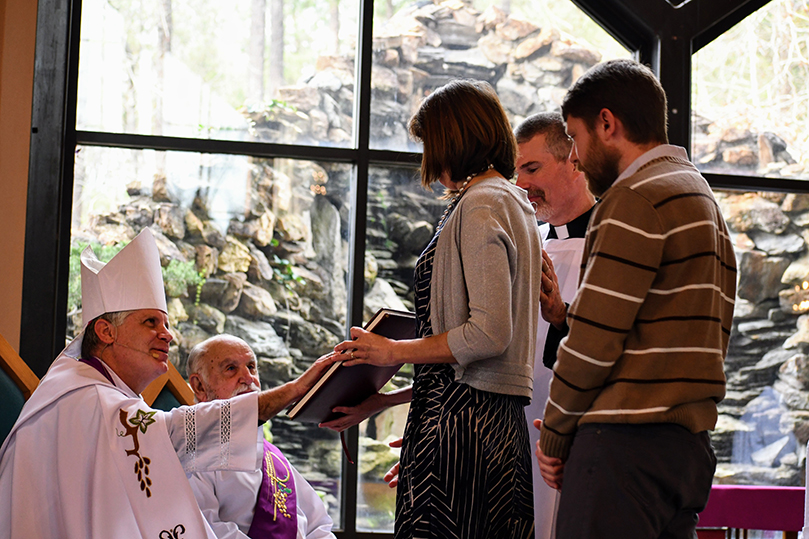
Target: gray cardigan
485, 287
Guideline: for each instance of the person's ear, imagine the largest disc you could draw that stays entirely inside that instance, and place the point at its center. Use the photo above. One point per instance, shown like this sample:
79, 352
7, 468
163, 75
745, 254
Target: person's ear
105, 331
607, 124
195, 381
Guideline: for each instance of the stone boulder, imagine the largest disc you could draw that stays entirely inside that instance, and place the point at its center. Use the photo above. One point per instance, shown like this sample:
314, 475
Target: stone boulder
256, 302
261, 336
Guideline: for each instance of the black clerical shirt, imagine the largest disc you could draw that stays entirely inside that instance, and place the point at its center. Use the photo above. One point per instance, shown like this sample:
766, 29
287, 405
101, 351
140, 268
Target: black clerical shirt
576, 228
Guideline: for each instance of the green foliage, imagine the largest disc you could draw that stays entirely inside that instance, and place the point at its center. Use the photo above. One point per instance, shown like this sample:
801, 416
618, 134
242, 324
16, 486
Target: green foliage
284, 272
178, 276
104, 254
279, 104
267, 430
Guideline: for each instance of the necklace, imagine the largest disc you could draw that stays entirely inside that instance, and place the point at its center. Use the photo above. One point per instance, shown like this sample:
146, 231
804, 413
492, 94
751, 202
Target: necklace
459, 194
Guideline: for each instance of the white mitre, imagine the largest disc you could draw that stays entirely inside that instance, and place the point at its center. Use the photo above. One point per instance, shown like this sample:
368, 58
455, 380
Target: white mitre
131, 280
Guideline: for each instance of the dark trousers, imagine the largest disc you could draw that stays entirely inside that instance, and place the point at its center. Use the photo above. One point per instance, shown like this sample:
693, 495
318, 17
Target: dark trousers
635, 482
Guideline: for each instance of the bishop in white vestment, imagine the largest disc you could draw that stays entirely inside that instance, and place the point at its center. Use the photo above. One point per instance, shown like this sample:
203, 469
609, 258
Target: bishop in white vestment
87, 458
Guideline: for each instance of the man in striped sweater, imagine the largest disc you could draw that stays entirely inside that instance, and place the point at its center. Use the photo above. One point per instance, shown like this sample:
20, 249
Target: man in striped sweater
637, 378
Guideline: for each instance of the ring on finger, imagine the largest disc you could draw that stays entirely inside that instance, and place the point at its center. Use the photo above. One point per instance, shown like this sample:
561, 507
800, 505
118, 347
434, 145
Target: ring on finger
352, 354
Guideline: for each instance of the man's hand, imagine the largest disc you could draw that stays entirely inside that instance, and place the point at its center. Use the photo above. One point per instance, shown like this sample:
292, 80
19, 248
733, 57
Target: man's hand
553, 308
311, 375
354, 415
552, 469
272, 401
392, 477
373, 404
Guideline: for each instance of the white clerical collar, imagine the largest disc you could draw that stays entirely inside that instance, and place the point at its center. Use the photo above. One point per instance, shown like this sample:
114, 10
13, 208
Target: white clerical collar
663, 150
561, 232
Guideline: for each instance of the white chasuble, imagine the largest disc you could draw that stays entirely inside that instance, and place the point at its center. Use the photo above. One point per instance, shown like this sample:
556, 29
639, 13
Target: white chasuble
90, 459
566, 257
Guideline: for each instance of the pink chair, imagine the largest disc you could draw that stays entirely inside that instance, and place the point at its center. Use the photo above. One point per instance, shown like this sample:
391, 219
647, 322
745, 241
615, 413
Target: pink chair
752, 508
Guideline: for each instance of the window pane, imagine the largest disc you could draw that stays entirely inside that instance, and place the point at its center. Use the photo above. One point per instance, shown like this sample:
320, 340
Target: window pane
263, 70
530, 55
750, 96
763, 422
401, 220
252, 247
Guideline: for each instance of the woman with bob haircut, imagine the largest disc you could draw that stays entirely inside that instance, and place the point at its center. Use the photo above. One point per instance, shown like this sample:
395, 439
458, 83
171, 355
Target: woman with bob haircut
465, 468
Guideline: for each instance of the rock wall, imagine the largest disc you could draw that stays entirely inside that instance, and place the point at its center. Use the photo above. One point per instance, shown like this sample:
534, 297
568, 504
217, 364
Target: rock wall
762, 431
422, 47
732, 147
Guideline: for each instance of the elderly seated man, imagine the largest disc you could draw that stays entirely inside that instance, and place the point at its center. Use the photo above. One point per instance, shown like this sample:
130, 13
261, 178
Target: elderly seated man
273, 501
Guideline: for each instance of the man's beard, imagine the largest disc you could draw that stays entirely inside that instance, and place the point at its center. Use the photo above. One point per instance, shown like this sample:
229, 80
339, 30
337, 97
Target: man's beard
542, 208
601, 170
210, 393
244, 388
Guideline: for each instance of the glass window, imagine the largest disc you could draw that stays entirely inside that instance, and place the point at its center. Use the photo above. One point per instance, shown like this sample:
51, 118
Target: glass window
266, 70
530, 52
401, 219
749, 104
750, 96
763, 424
257, 248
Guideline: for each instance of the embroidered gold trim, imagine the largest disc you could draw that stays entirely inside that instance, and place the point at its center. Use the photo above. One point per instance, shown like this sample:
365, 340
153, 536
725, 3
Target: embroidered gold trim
278, 488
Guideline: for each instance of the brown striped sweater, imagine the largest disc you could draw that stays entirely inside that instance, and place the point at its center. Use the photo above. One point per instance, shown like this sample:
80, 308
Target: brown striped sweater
650, 324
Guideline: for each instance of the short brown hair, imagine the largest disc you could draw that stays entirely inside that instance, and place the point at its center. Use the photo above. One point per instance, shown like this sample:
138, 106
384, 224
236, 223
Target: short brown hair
90, 343
550, 124
630, 91
464, 130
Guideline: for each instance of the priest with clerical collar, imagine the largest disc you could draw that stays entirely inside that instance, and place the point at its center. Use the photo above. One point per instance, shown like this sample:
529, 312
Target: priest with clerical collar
558, 191
87, 457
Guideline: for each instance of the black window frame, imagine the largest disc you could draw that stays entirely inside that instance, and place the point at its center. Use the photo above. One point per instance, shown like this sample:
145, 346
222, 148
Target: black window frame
661, 35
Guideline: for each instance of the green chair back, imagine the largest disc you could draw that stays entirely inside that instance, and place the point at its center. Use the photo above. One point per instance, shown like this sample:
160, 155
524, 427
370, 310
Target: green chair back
11, 403
166, 400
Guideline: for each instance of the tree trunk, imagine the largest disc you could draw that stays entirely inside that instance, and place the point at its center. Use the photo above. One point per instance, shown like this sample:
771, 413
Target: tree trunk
255, 68
276, 46
164, 29
334, 26
163, 47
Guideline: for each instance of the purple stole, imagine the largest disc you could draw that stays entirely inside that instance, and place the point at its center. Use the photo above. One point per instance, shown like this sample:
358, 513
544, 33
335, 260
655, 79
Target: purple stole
276, 511
95, 363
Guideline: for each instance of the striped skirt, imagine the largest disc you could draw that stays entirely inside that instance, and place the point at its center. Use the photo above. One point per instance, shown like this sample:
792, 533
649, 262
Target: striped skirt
465, 467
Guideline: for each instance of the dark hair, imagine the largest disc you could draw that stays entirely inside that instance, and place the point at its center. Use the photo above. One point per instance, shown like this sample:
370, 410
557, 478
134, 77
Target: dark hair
91, 342
627, 89
550, 124
464, 130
